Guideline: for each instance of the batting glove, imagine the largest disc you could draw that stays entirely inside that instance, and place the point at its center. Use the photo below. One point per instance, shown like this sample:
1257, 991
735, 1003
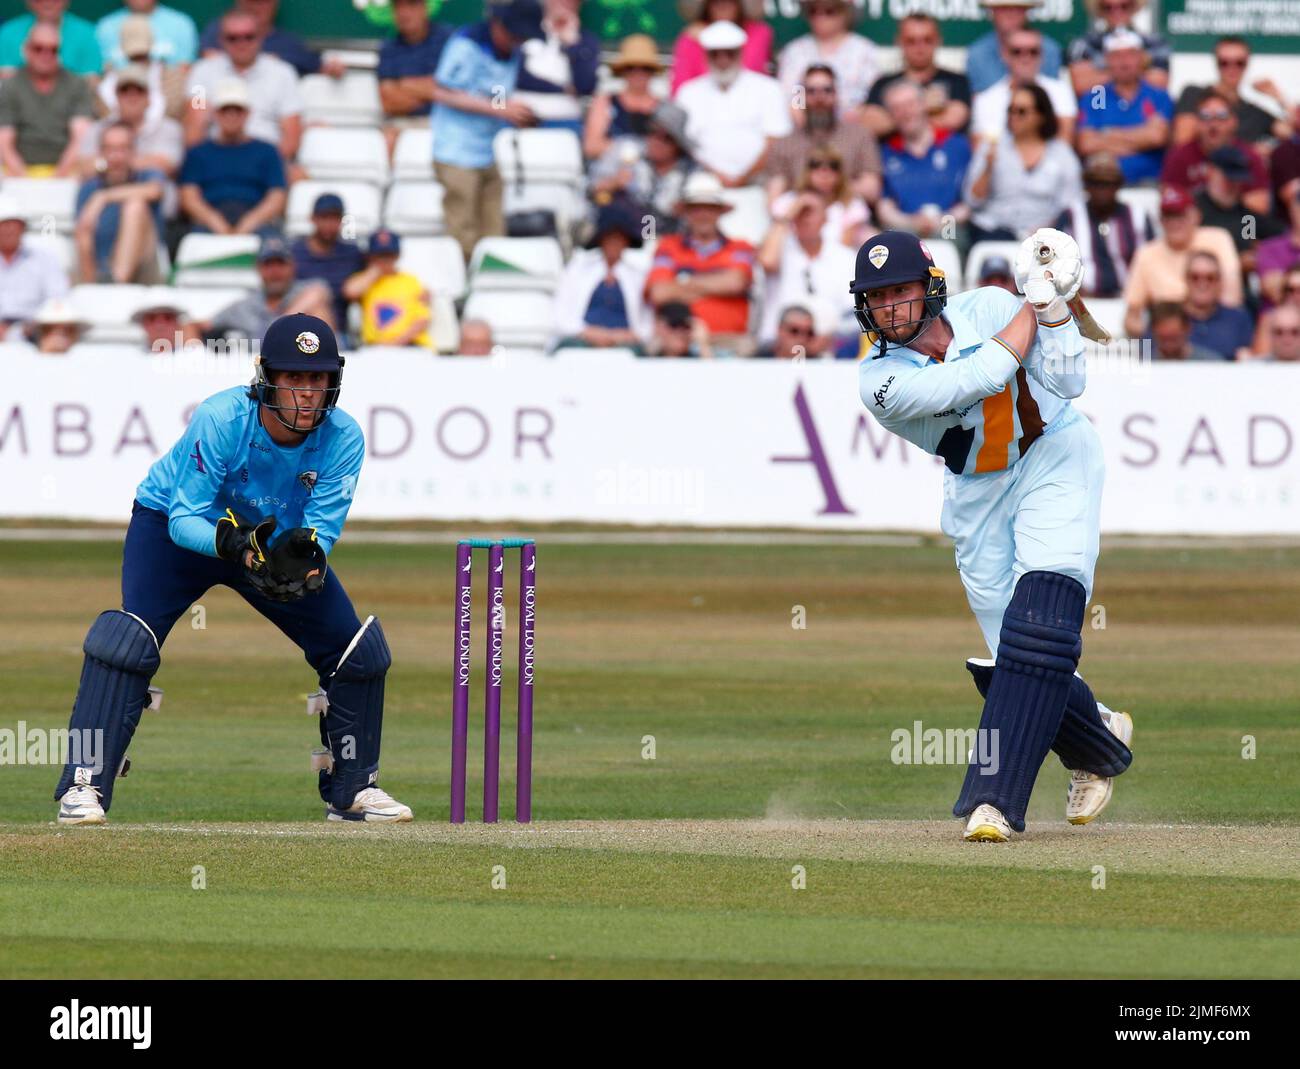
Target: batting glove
1057, 254
1049, 306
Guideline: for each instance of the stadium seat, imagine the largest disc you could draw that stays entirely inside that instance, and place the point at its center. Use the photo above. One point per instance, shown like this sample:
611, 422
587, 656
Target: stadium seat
947, 258
514, 264
749, 219
538, 155
523, 319
437, 262
413, 155
352, 100
361, 201
217, 260
108, 310
48, 204
1109, 314
415, 208
1144, 200
984, 250
564, 200
350, 154
446, 328
201, 305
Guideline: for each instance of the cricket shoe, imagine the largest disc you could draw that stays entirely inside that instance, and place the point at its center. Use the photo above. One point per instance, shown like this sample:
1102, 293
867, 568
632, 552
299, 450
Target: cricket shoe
374, 806
80, 805
987, 825
1088, 794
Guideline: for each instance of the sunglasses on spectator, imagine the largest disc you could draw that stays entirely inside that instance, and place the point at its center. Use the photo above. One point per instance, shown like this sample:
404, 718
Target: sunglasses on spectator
799, 332
42, 49
824, 10
1292, 287
1232, 61
1027, 51
1020, 109
1096, 181
1119, 5
238, 38
1218, 115
1285, 331
818, 90
1203, 276
823, 165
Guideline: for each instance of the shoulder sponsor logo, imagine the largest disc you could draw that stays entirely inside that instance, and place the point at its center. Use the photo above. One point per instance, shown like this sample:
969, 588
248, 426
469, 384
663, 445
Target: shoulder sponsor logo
879, 395
197, 457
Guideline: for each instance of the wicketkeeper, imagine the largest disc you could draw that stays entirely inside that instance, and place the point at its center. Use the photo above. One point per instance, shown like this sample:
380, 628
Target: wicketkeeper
984, 380
278, 450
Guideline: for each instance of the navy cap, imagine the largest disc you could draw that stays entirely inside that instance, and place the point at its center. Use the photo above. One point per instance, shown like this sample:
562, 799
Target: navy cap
522, 18
1234, 163
615, 220
274, 247
328, 204
891, 257
300, 342
384, 243
995, 266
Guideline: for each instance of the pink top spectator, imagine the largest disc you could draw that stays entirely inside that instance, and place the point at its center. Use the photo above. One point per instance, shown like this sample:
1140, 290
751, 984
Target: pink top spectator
689, 60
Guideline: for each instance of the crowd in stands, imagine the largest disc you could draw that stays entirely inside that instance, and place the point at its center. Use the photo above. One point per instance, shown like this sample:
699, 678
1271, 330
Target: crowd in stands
706, 201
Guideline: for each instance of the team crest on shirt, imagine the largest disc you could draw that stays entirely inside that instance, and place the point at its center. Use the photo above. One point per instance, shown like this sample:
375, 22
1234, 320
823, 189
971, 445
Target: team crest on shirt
308, 479
878, 254
307, 342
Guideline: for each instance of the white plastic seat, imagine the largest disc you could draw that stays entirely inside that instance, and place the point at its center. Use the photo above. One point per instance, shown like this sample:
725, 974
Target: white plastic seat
201, 305
352, 100
986, 250
516, 264
1144, 200
345, 154
523, 319
1109, 314
538, 155
46, 203
446, 328
437, 262
413, 155
361, 205
217, 260
108, 309
565, 200
749, 219
946, 258
415, 208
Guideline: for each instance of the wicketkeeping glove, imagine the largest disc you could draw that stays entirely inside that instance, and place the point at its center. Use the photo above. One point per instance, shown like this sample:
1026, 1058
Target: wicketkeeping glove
297, 565
236, 536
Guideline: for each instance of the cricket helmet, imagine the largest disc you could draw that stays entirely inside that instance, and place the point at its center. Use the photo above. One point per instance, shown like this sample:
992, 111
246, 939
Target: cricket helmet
888, 259
297, 342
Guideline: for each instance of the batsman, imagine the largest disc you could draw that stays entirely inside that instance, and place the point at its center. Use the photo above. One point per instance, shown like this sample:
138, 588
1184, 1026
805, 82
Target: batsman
275, 455
984, 381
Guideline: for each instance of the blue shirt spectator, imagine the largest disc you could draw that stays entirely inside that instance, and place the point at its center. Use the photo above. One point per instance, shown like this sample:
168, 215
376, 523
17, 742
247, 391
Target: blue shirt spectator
1110, 108
1224, 331
110, 218
413, 52
233, 177
287, 46
78, 50
984, 64
175, 37
936, 178
472, 65
324, 255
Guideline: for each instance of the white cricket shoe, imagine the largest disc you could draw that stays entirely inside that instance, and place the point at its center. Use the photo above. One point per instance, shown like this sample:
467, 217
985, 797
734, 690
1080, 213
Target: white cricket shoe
80, 805
987, 825
373, 805
1089, 794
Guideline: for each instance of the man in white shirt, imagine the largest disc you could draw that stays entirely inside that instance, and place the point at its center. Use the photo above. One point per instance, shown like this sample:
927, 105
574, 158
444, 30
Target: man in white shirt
1024, 61
28, 276
276, 108
733, 114
803, 269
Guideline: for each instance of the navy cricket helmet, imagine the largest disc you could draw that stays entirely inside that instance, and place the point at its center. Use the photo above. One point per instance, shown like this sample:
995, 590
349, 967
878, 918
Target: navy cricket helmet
888, 259
298, 342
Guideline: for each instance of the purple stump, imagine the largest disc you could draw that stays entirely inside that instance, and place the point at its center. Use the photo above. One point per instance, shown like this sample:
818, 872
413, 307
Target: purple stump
492, 684
527, 644
460, 667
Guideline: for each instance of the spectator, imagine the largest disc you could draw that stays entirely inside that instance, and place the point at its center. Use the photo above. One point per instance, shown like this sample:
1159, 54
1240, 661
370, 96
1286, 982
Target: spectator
276, 42
1108, 230
28, 276
1087, 54
44, 112
986, 59
734, 115
1255, 126
856, 148
947, 93
796, 337
802, 267
598, 303
275, 109
1216, 128
476, 338
1171, 335
407, 61
57, 327
165, 84
74, 37
559, 67
174, 39
924, 168
395, 305
477, 71
1284, 335
832, 43
996, 271
159, 142
233, 184
847, 216
706, 270
1024, 52
1276, 256
1290, 296
1130, 118
689, 59
650, 183
248, 318
119, 216
1226, 331
164, 322
1222, 204
1284, 176
627, 113
1027, 176
323, 254
1159, 270
679, 334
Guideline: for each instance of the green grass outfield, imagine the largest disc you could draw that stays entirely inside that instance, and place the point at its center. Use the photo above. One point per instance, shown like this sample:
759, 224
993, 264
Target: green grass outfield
772, 759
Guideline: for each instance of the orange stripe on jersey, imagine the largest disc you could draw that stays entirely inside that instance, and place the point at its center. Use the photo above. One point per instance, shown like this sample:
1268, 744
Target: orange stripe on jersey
999, 427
